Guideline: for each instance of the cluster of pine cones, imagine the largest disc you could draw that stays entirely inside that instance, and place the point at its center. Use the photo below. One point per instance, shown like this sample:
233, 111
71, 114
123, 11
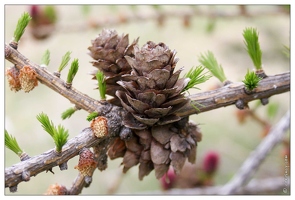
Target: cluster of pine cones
143, 82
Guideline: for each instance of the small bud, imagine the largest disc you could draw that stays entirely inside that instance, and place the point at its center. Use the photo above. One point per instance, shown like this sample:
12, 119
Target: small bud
240, 104
241, 115
167, 180
86, 163
43, 21
12, 76
264, 101
99, 126
63, 166
27, 78
26, 176
56, 189
210, 163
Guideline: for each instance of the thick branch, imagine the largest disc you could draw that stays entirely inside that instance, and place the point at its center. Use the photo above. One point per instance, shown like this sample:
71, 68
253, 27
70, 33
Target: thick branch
208, 100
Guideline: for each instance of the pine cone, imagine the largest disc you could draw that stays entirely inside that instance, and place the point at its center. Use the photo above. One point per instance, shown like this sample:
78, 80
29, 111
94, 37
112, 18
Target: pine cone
153, 93
108, 51
144, 83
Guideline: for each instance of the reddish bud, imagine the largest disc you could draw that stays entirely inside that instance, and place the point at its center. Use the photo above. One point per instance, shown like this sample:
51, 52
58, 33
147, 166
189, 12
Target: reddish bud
167, 181
34, 11
86, 163
43, 20
211, 162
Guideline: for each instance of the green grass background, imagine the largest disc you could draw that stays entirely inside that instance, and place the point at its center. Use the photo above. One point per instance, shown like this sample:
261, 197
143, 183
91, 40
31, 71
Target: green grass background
221, 130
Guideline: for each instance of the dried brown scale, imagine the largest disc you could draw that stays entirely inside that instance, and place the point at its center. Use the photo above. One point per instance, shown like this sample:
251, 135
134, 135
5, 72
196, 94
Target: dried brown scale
28, 78
86, 162
12, 74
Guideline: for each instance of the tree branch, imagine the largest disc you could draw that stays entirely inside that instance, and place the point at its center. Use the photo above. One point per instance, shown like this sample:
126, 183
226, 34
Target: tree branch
231, 93
252, 163
82, 101
49, 159
208, 100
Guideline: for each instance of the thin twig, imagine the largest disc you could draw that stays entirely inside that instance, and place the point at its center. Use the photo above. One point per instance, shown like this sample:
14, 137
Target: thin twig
252, 163
78, 184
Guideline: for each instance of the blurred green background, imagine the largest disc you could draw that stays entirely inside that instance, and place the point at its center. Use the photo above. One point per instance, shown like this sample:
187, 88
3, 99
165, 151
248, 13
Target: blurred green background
221, 129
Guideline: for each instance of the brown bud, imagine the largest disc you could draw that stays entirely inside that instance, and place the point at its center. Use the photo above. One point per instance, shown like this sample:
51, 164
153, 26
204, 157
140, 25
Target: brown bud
99, 126
86, 164
13, 80
241, 115
56, 189
27, 78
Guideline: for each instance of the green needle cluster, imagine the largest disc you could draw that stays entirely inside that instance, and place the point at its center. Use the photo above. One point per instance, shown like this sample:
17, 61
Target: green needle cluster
102, 86
196, 77
253, 46
60, 137
68, 113
46, 58
65, 60
59, 134
21, 26
251, 80
209, 61
73, 71
91, 116
11, 143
